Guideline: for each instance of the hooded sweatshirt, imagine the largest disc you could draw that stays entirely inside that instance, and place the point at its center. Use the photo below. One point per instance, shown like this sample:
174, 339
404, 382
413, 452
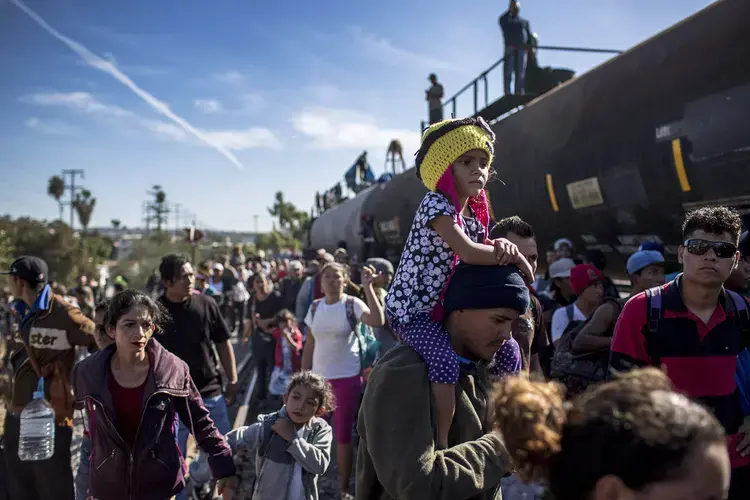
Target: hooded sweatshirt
397, 455
277, 461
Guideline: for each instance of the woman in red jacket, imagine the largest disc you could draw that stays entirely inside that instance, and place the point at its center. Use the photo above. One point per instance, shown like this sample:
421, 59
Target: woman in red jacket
133, 392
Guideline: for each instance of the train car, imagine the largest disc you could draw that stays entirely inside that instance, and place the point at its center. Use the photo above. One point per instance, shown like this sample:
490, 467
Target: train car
618, 155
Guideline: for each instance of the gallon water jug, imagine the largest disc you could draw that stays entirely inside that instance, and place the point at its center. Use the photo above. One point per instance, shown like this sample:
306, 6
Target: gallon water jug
37, 437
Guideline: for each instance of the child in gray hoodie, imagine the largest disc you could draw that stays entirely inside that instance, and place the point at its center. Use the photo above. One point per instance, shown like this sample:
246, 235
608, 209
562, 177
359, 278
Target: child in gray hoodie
292, 446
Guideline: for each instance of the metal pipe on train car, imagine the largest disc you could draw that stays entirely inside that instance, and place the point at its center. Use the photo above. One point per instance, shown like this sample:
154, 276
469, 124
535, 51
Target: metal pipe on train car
579, 49
476, 97
497, 63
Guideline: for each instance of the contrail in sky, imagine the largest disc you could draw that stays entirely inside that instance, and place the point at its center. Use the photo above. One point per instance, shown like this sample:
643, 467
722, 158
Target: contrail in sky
102, 64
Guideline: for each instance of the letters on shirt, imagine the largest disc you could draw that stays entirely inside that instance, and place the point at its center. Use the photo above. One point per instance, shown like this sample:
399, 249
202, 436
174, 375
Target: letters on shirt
49, 338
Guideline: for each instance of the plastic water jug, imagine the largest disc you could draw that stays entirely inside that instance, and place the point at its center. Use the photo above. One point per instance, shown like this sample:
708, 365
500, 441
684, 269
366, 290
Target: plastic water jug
37, 437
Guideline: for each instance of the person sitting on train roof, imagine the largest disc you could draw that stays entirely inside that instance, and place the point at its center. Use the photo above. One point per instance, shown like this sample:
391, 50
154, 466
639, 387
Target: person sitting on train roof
398, 456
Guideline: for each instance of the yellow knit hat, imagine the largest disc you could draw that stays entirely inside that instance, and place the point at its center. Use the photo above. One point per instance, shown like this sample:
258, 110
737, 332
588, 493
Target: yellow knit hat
445, 142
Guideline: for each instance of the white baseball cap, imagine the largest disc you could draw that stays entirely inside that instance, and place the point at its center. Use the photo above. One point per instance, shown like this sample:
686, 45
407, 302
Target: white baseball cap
561, 268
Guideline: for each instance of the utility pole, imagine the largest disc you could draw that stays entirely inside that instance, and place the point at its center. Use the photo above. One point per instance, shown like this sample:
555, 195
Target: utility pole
73, 190
176, 218
146, 209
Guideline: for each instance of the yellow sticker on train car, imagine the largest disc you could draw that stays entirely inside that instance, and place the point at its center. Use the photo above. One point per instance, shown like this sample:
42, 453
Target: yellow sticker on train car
585, 193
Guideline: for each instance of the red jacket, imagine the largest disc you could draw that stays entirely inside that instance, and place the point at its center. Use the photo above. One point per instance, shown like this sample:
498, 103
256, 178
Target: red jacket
279, 337
153, 469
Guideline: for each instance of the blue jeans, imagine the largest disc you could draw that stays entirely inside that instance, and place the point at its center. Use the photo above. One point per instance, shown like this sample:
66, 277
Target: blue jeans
217, 409
82, 476
515, 62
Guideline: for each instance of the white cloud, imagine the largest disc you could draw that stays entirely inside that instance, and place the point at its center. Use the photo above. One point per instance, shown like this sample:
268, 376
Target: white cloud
251, 138
165, 130
229, 139
105, 66
208, 105
252, 101
81, 101
230, 77
51, 127
385, 51
330, 128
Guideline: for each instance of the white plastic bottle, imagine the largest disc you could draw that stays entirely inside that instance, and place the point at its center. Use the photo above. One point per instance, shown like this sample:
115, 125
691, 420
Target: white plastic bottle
37, 437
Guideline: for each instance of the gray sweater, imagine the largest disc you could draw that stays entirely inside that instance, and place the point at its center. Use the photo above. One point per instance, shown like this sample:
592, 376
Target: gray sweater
274, 470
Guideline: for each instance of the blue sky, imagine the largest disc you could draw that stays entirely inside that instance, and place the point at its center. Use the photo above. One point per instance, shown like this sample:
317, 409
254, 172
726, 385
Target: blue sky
242, 98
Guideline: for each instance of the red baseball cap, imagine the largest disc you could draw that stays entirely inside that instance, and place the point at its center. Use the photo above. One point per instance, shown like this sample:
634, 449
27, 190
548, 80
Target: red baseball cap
583, 276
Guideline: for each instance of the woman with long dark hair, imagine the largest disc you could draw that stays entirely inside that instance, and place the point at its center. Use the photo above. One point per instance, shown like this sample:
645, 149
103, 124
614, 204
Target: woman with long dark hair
133, 392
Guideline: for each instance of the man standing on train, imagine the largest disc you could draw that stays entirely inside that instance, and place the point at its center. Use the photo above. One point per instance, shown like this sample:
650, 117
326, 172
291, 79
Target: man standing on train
434, 96
518, 37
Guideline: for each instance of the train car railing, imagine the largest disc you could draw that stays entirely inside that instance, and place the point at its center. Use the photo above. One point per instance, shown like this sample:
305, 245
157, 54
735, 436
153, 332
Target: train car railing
482, 77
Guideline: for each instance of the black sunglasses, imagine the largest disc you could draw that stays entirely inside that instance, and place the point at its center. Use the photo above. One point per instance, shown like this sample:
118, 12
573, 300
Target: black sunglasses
722, 249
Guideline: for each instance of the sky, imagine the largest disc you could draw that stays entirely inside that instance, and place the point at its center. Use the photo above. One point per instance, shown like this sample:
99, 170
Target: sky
224, 103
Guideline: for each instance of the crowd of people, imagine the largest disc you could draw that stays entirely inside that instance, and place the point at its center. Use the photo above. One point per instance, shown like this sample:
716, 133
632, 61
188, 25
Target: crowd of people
460, 373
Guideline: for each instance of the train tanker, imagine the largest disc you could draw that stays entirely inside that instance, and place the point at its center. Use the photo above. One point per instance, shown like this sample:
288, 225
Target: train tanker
610, 159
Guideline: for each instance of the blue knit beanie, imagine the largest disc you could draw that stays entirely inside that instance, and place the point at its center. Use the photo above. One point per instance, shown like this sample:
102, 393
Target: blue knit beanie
486, 287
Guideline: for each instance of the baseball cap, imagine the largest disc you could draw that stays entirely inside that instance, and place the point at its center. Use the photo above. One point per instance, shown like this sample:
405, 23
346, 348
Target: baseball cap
325, 258
217, 267
28, 268
651, 246
561, 268
583, 276
295, 265
561, 242
642, 259
381, 265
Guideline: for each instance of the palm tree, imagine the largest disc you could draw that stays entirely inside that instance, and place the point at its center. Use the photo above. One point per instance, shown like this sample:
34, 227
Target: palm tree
84, 206
115, 225
56, 189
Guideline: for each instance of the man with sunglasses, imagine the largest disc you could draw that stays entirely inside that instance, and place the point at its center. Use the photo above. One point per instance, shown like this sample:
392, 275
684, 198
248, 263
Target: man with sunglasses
694, 328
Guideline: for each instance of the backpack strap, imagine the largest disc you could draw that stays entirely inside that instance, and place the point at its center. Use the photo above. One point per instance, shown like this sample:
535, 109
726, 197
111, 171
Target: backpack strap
265, 443
740, 306
351, 317
653, 308
571, 312
654, 313
313, 308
